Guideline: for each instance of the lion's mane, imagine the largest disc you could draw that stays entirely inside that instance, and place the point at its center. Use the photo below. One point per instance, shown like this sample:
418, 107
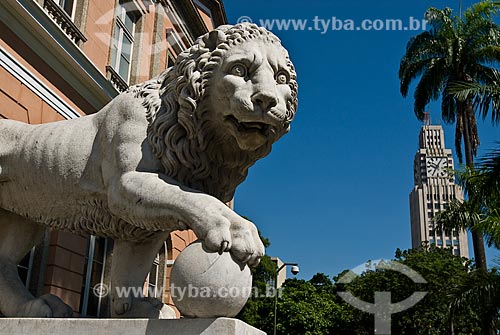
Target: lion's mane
189, 147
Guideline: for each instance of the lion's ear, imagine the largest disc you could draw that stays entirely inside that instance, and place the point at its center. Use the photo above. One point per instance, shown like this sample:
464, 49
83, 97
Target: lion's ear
213, 38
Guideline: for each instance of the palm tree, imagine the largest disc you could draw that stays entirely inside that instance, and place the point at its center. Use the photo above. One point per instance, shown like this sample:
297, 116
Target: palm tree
480, 291
488, 184
481, 212
486, 98
455, 49
471, 214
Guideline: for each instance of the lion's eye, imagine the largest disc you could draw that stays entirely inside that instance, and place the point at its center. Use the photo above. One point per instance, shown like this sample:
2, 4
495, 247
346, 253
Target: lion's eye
239, 70
282, 78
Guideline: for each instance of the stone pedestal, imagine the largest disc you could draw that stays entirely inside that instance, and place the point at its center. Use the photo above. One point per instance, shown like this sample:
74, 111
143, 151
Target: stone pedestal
220, 326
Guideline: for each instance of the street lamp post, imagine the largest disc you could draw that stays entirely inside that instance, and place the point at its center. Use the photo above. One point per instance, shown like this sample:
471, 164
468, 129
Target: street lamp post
295, 271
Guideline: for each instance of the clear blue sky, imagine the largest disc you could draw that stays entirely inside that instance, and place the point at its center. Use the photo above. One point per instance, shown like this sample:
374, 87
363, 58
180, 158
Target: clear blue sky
334, 191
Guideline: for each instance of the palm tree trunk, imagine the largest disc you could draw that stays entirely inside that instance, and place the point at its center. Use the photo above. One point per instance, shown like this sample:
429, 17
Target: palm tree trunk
477, 237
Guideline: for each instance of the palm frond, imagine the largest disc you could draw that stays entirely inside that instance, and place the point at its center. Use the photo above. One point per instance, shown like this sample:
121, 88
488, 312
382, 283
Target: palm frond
440, 19
430, 86
460, 215
486, 98
490, 166
480, 290
421, 50
448, 107
459, 130
490, 227
481, 11
412, 71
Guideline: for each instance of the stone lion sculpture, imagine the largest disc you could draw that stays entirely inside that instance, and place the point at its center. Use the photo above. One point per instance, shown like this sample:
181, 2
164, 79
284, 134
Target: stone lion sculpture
165, 155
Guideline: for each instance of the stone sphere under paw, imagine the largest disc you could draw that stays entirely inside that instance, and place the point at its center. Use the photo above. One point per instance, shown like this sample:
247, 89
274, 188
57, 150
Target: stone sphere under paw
208, 284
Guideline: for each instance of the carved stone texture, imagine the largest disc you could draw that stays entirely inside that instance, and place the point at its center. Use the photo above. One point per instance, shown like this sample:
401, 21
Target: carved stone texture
219, 326
64, 21
209, 284
162, 156
117, 81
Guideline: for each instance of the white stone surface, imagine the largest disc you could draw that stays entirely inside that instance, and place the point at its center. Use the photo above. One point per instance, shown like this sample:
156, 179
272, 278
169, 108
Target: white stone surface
165, 155
209, 284
221, 326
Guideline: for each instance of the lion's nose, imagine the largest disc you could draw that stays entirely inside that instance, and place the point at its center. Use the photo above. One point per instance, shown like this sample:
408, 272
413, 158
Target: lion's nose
266, 100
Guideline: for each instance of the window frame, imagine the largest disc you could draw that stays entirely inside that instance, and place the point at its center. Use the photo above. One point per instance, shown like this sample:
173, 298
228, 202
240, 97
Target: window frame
117, 46
29, 258
62, 4
90, 261
153, 288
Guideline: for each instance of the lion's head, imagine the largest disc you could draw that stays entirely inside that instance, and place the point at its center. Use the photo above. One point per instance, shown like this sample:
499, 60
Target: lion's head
224, 102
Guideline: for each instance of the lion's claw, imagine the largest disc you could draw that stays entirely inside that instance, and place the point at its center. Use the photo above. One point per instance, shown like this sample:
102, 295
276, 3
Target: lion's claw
224, 246
230, 232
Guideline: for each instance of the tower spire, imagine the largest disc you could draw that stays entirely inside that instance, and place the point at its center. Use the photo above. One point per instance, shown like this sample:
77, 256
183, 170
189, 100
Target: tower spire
427, 118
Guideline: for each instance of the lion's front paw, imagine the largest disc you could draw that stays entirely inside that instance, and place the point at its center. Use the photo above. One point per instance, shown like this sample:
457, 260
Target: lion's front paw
237, 235
149, 308
47, 306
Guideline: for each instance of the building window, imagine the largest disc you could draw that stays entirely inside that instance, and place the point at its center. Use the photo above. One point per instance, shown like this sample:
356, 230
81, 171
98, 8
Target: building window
455, 242
448, 243
63, 13
123, 41
95, 262
440, 243
67, 5
170, 59
25, 266
174, 40
153, 290
205, 10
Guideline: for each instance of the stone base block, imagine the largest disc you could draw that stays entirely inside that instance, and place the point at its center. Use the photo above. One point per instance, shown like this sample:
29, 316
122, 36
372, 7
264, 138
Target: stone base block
220, 326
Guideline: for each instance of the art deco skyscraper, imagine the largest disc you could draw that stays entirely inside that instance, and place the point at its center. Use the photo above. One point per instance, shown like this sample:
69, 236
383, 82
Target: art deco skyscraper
434, 189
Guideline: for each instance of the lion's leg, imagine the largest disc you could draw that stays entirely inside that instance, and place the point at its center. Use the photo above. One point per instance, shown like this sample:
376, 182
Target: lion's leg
130, 266
17, 236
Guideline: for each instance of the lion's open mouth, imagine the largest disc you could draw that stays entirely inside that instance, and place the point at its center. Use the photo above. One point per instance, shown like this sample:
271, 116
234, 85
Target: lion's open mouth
260, 127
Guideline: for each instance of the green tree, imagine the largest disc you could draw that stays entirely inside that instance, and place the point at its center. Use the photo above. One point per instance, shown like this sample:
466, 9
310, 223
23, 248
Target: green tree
490, 183
480, 291
311, 308
259, 310
455, 49
485, 97
480, 212
304, 308
431, 316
